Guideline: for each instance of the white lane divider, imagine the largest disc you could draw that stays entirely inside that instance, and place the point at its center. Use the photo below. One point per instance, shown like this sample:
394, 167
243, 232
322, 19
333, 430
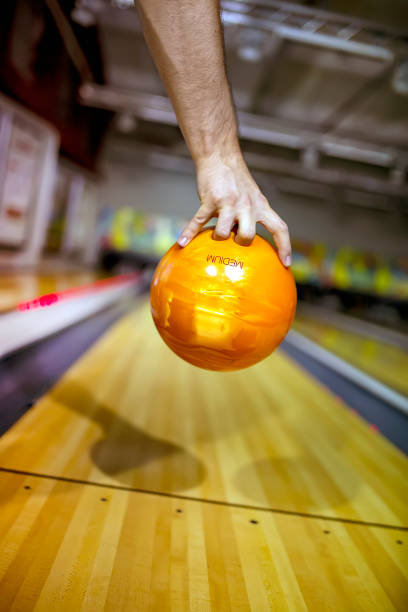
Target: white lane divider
348, 371
21, 328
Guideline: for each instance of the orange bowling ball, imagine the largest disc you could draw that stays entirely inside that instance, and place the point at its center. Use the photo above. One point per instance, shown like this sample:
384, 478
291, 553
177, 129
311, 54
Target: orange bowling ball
222, 306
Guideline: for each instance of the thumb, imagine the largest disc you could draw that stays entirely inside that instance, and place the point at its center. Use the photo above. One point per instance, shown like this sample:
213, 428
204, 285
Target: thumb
192, 228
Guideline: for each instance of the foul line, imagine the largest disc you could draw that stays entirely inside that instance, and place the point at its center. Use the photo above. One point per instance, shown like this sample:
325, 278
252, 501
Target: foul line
213, 502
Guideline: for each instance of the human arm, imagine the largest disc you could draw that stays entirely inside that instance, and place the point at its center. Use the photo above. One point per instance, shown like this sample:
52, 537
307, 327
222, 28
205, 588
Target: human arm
185, 39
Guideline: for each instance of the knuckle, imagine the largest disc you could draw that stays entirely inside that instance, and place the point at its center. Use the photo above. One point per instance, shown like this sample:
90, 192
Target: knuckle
282, 226
199, 220
246, 236
222, 194
227, 204
200, 217
222, 233
206, 205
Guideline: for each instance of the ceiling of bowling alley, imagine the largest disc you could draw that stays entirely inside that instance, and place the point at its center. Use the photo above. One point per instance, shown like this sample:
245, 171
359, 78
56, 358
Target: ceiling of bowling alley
321, 88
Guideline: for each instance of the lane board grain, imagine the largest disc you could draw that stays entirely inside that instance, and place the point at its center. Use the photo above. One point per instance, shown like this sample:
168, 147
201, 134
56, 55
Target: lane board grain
79, 547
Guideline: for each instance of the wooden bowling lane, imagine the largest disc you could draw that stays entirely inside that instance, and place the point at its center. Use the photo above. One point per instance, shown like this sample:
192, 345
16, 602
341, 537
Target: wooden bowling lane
130, 413
67, 546
383, 361
24, 286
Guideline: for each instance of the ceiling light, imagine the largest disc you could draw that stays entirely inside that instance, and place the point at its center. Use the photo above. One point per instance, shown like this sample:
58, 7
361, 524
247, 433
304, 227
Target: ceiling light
400, 78
83, 16
251, 45
123, 4
126, 123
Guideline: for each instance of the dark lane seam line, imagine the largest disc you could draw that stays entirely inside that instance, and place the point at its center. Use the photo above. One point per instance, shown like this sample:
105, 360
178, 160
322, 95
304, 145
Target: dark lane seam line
214, 502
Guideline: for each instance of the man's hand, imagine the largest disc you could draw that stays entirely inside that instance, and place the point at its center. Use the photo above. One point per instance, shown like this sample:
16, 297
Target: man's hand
185, 39
228, 191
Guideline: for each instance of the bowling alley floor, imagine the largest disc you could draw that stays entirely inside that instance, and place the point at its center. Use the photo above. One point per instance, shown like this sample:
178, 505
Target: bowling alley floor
138, 482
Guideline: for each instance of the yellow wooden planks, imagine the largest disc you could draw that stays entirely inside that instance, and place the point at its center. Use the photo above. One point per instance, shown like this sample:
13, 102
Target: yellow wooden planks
233, 459
381, 360
131, 413
67, 546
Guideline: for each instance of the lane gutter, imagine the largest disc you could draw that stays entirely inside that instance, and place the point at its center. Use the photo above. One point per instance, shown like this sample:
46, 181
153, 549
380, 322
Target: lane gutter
373, 386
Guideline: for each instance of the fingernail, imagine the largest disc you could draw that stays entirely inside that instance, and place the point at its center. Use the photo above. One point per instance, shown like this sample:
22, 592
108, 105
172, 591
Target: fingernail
288, 260
183, 241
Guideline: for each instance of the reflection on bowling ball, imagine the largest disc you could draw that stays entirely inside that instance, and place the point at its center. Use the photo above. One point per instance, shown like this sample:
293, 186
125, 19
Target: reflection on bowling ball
222, 306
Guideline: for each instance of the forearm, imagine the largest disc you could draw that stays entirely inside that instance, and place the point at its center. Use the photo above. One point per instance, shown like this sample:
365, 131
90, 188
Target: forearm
185, 39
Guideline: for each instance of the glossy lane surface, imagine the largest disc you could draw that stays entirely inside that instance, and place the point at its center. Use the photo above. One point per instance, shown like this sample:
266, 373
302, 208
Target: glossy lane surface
147, 484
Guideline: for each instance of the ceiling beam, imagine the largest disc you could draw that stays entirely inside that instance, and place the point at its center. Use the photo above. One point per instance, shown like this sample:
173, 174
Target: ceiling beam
323, 180
307, 37
312, 13
256, 128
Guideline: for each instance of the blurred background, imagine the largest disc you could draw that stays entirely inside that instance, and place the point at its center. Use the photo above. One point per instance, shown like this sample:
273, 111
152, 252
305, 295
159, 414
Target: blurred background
129, 479
96, 181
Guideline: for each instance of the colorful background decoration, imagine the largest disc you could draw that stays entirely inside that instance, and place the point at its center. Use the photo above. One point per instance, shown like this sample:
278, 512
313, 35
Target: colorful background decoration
349, 269
344, 268
126, 229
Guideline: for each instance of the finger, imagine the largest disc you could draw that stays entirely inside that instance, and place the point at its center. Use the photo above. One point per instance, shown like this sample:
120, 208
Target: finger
246, 227
203, 214
226, 220
280, 233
